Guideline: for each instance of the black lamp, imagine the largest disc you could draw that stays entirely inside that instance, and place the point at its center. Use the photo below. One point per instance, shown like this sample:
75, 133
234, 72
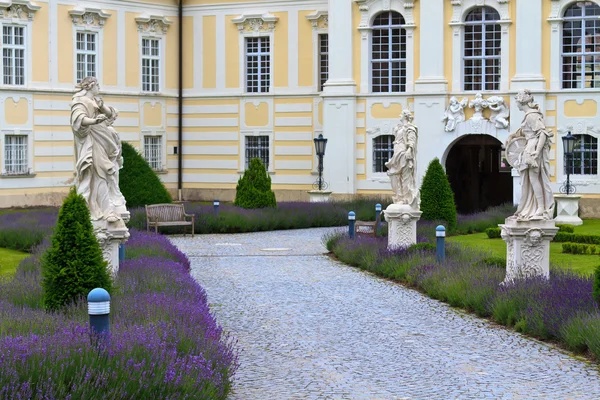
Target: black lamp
568, 146
320, 144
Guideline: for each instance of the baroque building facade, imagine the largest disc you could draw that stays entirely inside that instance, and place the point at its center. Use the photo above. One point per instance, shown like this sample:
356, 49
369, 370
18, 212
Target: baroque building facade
204, 86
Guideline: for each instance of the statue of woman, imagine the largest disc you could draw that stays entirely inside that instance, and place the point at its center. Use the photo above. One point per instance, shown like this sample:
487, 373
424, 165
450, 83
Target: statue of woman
537, 202
402, 167
97, 151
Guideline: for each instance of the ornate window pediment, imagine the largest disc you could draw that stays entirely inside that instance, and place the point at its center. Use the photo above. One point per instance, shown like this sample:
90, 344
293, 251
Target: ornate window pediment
255, 23
319, 19
153, 24
88, 17
18, 9
368, 8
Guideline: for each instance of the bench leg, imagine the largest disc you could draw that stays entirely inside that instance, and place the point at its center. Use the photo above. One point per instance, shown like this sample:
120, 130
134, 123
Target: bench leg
192, 228
156, 228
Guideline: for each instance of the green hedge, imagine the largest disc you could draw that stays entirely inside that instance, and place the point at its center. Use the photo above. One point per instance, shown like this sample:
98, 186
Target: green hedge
565, 228
576, 238
578, 248
493, 233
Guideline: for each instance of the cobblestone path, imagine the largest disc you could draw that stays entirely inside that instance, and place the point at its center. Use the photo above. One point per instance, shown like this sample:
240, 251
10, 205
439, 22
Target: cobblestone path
313, 328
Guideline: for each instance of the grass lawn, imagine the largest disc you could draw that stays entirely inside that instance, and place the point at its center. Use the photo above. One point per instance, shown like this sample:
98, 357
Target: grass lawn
589, 227
9, 259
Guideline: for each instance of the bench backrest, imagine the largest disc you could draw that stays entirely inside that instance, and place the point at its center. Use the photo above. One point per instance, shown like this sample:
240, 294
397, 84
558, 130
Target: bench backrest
165, 212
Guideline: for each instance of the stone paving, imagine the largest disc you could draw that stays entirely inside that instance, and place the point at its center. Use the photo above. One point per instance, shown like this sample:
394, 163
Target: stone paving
312, 328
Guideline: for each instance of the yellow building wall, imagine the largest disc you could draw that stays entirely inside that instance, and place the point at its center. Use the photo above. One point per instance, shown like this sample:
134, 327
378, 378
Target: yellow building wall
448, 46
132, 50
306, 50
171, 52
232, 54
209, 51
280, 51
40, 49
361, 133
65, 45
109, 51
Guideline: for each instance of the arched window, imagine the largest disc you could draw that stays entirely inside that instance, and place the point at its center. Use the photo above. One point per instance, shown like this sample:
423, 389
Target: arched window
388, 53
482, 45
581, 46
383, 149
585, 156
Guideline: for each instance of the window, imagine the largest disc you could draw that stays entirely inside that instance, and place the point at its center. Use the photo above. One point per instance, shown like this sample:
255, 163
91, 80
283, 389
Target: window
581, 46
383, 149
86, 55
388, 53
482, 55
153, 151
15, 154
323, 59
13, 54
257, 147
258, 64
585, 156
150, 65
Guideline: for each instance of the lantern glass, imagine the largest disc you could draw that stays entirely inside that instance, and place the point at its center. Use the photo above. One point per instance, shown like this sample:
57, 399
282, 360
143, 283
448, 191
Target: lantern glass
320, 144
569, 143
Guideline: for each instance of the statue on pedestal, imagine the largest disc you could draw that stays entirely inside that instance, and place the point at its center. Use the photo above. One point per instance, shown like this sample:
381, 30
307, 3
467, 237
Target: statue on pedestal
402, 167
455, 113
528, 151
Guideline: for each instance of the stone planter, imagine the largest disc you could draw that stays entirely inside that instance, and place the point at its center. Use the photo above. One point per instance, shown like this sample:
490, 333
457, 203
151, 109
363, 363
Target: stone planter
319, 196
567, 209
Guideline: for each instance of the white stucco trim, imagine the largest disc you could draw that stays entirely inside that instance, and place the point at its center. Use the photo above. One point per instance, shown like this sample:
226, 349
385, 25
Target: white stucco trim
25, 129
320, 24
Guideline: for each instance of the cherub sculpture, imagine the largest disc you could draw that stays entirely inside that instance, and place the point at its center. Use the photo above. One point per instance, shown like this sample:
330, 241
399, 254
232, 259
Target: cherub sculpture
455, 113
500, 111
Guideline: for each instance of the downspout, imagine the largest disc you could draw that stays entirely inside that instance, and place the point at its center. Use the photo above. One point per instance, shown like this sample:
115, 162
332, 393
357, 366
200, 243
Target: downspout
180, 116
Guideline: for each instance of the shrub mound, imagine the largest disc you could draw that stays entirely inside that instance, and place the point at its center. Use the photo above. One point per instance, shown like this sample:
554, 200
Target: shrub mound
565, 228
73, 265
493, 233
437, 198
253, 189
578, 248
138, 182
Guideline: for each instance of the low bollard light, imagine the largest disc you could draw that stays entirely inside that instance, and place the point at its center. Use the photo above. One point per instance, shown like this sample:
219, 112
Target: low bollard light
216, 206
440, 248
351, 222
377, 219
121, 252
99, 310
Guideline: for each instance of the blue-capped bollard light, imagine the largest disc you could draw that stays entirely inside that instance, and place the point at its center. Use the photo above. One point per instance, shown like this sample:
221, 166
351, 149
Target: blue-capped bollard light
121, 252
440, 248
216, 206
99, 310
351, 222
377, 219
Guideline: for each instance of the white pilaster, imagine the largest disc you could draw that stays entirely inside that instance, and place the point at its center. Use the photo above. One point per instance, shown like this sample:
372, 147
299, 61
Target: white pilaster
340, 42
529, 46
431, 52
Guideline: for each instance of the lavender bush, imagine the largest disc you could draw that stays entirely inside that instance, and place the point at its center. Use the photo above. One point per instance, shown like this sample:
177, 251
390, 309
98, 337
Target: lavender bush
164, 342
24, 229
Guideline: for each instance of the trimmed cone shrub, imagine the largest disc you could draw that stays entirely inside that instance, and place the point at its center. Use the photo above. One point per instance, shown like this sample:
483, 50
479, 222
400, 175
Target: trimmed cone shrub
596, 289
73, 265
138, 182
437, 198
254, 187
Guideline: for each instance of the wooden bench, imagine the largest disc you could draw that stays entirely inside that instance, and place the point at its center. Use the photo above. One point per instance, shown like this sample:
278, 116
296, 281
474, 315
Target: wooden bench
168, 215
367, 227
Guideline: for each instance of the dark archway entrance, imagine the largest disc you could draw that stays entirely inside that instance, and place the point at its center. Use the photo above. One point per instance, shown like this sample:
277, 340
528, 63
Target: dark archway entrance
477, 176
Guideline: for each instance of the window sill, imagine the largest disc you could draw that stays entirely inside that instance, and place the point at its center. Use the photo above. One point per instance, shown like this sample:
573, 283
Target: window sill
17, 176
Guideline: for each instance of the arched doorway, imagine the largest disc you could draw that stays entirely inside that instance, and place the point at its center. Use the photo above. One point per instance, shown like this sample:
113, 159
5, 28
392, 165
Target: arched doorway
477, 174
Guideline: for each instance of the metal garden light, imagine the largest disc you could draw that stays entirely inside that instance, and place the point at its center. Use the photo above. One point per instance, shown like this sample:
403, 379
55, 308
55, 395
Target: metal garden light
320, 144
568, 145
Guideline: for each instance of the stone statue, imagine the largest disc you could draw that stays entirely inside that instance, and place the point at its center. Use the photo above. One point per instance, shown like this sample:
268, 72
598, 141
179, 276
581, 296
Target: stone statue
402, 167
478, 104
454, 114
98, 153
527, 151
500, 111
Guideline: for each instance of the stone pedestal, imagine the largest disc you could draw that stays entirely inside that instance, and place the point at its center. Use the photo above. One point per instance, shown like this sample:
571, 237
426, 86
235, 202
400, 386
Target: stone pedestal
319, 196
110, 235
567, 209
402, 221
527, 248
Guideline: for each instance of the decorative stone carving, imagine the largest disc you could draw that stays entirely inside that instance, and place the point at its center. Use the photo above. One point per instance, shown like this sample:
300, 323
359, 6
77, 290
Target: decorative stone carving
459, 7
402, 220
527, 248
319, 20
500, 111
367, 6
402, 167
478, 104
255, 23
88, 17
528, 151
152, 24
454, 113
18, 9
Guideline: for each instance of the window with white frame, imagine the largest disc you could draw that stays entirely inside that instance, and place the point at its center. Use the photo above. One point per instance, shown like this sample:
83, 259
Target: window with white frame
581, 46
153, 151
15, 154
383, 150
86, 54
323, 59
584, 160
150, 65
482, 49
388, 53
13, 54
258, 64
257, 147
